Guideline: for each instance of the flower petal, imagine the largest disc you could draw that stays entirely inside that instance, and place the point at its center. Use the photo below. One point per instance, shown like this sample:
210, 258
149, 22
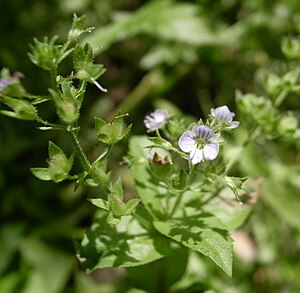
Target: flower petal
196, 155
234, 124
156, 119
211, 150
187, 142
222, 113
203, 132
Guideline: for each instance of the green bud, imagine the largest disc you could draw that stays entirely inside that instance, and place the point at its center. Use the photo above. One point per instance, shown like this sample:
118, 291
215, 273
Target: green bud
160, 167
291, 78
45, 54
22, 109
78, 28
273, 84
90, 72
290, 47
180, 180
82, 56
116, 205
59, 164
111, 133
288, 125
67, 112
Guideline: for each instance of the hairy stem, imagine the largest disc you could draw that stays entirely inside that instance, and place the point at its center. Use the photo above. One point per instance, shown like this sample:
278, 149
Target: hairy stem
86, 165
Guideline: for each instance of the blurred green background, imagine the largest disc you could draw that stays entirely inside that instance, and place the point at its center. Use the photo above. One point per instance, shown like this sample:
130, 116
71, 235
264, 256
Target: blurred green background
188, 56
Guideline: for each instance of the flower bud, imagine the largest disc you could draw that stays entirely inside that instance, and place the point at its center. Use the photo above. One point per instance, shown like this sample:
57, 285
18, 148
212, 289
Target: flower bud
160, 167
180, 180
67, 112
291, 48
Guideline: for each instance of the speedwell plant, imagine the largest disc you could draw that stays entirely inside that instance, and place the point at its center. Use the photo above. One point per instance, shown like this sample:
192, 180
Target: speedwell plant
184, 199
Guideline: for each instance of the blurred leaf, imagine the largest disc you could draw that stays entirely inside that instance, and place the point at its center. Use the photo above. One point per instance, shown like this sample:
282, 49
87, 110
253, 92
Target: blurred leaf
10, 237
163, 271
227, 209
166, 20
10, 282
50, 268
284, 199
126, 244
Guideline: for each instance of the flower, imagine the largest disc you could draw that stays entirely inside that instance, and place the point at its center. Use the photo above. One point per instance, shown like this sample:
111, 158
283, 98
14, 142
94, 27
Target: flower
200, 143
225, 116
156, 119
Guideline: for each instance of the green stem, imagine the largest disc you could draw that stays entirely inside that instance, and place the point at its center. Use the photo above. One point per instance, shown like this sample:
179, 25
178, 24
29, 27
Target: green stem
237, 153
177, 202
86, 165
53, 75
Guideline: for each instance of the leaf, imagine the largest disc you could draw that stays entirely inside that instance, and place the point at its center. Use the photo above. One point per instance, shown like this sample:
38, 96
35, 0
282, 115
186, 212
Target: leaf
126, 244
100, 203
283, 199
41, 173
50, 268
152, 195
131, 205
117, 188
167, 20
227, 209
201, 232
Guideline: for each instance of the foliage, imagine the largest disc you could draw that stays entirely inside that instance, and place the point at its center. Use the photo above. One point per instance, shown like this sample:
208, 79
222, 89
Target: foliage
165, 204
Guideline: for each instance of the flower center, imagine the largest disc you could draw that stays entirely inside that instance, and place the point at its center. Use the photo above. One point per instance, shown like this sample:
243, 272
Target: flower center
200, 143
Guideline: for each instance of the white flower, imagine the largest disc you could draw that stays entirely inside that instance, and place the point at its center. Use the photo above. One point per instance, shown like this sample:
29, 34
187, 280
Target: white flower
156, 119
200, 143
225, 116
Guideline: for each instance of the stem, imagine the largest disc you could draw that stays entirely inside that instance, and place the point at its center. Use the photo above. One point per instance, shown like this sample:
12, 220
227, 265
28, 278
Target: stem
280, 98
53, 74
189, 181
86, 165
252, 136
178, 200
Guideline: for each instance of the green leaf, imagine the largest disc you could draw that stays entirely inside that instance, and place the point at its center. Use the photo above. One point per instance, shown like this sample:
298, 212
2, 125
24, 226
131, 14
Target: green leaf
166, 20
117, 189
99, 123
59, 164
22, 109
227, 209
153, 196
41, 173
50, 268
100, 203
116, 205
126, 244
283, 199
201, 232
131, 205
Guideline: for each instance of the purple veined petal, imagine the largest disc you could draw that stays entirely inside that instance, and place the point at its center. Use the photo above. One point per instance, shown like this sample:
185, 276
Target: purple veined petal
187, 142
160, 115
222, 113
234, 124
211, 150
156, 119
203, 132
196, 155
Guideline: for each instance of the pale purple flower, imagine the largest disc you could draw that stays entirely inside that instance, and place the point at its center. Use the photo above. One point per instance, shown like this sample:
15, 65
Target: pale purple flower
200, 143
225, 116
156, 119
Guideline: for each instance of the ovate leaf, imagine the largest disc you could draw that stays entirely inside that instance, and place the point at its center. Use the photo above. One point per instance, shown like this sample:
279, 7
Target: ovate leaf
202, 232
126, 244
